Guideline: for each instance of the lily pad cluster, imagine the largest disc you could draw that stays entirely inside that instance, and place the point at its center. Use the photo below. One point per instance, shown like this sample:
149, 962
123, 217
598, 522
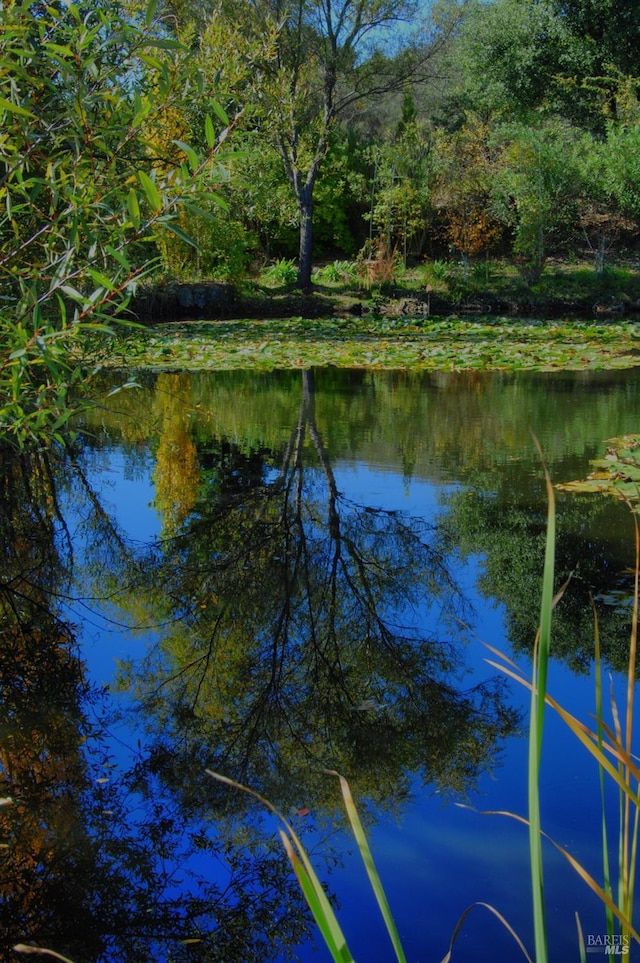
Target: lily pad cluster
449, 344
618, 473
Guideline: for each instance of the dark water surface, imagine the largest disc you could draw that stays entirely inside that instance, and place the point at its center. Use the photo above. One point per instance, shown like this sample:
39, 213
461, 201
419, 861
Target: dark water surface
270, 576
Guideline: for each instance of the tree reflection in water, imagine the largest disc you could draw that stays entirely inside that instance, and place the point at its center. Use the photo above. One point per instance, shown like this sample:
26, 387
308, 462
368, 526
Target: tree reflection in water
511, 528
300, 641
295, 629
91, 868
45, 842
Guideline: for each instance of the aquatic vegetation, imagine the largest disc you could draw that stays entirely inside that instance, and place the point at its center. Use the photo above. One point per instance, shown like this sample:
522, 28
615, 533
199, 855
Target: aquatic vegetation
310, 884
383, 342
605, 744
617, 473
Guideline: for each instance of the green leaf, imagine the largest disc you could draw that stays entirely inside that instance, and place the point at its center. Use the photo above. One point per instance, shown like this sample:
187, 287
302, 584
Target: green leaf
318, 904
175, 229
165, 43
118, 256
101, 279
73, 293
152, 192
14, 109
209, 132
536, 726
367, 858
134, 208
215, 198
150, 12
150, 61
143, 109
192, 157
220, 113
59, 49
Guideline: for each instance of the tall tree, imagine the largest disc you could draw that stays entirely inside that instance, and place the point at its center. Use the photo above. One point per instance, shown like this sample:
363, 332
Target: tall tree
610, 28
465, 164
607, 173
401, 189
576, 58
301, 64
534, 191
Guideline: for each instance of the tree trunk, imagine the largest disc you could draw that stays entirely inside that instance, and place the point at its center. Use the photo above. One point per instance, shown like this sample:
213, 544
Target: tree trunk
600, 253
305, 204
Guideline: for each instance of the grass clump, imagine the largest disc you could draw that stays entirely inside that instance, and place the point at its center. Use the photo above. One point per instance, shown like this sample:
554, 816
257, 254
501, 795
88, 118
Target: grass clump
280, 274
338, 273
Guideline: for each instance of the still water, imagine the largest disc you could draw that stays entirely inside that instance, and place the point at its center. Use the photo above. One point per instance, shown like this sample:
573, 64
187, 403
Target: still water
270, 576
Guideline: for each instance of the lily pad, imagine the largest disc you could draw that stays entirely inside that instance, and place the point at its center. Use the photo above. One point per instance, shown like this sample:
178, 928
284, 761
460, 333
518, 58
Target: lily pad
617, 474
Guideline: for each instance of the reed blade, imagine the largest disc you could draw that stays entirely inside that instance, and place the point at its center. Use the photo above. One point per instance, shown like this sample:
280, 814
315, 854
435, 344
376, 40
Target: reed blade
536, 727
370, 866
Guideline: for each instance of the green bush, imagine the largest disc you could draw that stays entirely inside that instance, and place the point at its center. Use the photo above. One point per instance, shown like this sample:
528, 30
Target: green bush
225, 249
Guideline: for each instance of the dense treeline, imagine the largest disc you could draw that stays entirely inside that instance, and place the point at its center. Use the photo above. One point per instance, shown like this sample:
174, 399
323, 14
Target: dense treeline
503, 127
189, 140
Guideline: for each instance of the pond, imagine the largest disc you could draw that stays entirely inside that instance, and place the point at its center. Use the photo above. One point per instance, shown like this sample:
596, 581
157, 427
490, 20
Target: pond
274, 575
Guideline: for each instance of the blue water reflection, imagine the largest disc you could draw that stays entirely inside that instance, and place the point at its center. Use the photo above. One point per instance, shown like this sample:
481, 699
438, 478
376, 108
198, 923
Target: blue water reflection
437, 858
186, 473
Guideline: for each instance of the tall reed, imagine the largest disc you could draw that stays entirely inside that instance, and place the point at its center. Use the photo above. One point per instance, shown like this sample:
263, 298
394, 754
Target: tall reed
540, 667
312, 887
610, 745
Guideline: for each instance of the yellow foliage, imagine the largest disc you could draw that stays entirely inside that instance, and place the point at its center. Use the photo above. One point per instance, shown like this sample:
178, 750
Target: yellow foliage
177, 471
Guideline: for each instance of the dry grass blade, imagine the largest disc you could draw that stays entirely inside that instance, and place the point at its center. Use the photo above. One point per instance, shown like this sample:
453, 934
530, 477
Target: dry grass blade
589, 739
573, 862
498, 915
507, 661
25, 948
584, 734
